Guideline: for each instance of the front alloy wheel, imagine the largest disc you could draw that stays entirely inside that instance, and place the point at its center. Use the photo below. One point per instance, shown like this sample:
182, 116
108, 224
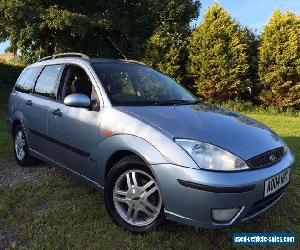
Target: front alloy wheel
132, 196
137, 198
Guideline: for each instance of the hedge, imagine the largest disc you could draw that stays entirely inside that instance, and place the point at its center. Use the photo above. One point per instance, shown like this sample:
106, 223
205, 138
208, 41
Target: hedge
9, 73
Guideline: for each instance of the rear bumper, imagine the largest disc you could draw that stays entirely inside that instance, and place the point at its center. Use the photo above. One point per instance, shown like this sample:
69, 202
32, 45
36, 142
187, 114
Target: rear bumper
193, 205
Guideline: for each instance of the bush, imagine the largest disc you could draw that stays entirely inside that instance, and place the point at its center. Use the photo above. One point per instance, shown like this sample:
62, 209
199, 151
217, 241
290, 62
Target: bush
9, 73
238, 105
220, 57
248, 107
279, 61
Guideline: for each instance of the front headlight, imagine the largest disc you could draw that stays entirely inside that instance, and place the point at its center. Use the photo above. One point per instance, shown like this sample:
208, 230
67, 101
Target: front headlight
208, 156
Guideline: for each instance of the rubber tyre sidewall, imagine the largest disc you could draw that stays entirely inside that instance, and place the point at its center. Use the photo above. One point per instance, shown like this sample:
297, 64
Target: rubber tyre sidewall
27, 160
127, 163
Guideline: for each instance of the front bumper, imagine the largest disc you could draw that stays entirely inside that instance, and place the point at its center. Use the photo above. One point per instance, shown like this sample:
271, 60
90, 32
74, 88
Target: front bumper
244, 189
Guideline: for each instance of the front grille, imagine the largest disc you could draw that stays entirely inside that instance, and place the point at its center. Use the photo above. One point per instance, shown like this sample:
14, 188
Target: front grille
266, 159
265, 202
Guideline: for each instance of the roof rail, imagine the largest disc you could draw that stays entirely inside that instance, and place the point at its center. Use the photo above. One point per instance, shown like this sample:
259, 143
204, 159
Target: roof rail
72, 54
132, 61
45, 58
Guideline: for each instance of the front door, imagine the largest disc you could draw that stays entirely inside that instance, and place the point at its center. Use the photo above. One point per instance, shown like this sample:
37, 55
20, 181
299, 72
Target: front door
74, 131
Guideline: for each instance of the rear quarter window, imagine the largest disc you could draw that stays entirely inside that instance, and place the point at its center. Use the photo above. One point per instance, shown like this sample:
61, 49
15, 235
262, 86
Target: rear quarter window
27, 79
45, 84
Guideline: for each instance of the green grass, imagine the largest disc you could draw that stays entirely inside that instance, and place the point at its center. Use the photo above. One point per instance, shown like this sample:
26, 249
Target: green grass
63, 213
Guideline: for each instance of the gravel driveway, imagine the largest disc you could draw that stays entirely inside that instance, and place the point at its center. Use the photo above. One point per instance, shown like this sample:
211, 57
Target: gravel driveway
11, 174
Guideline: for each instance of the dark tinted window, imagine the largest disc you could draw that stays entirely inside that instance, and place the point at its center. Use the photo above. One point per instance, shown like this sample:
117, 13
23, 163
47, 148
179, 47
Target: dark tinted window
45, 84
27, 79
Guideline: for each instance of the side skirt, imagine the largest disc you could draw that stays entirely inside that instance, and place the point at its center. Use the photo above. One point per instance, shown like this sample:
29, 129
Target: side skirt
53, 163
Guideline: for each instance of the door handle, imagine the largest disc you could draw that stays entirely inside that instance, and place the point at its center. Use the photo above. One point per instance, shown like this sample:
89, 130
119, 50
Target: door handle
57, 112
28, 103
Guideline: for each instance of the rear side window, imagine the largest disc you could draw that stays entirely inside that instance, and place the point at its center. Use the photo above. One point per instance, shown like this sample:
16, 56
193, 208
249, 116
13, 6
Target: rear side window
47, 80
27, 79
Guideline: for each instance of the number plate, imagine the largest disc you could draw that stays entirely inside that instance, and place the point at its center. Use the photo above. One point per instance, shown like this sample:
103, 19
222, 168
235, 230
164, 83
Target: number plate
277, 182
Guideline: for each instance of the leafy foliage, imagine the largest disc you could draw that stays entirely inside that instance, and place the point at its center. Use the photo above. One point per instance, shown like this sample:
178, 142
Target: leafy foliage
279, 61
248, 107
9, 73
220, 58
39, 28
166, 49
252, 53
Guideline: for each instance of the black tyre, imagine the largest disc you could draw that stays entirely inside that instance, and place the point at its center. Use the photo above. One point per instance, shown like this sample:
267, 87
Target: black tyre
132, 196
21, 148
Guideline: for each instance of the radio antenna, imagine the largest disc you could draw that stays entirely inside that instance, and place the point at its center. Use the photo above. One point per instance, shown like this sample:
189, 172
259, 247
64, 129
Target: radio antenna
117, 48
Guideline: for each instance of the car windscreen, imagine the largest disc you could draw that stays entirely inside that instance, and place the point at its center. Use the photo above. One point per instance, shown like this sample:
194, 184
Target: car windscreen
137, 85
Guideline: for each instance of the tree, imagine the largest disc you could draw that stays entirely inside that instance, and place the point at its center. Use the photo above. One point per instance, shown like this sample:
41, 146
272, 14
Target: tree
220, 58
254, 90
279, 61
167, 48
40, 28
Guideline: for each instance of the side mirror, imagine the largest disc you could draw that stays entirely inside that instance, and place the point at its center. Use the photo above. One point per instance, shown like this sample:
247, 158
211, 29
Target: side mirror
77, 100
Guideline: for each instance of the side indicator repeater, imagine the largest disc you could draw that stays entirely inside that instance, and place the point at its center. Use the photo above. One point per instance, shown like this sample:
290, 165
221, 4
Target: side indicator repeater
107, 133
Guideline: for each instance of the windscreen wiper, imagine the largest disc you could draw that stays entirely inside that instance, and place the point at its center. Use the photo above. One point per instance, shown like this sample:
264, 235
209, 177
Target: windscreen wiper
176, 102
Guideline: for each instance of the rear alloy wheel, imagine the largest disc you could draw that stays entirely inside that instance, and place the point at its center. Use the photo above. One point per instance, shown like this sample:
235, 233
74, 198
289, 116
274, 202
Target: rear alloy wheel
20, 145
132, 196
21, 148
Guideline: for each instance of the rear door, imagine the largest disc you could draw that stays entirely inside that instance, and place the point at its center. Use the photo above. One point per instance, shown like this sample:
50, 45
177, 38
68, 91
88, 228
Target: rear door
23, 100
38, 104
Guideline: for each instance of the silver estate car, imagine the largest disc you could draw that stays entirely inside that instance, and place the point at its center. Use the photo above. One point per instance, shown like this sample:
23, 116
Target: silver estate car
154, 149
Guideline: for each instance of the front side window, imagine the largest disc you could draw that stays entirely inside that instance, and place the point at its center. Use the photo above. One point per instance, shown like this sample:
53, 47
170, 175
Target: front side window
46, 82
131, 84
27, 79
76, 81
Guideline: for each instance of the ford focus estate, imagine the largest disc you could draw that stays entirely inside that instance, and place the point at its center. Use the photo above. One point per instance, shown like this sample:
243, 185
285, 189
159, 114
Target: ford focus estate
154, 149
